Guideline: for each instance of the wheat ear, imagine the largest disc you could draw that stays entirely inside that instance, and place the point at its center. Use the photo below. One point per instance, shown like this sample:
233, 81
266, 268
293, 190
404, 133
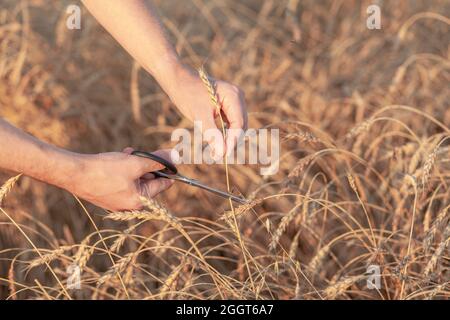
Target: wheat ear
170, 282
117, 268
49, 257
11, 281
120, 240
431, 234
316, 262
338, 288
432, 264
282, 227
7, 186
360, 128
84, 253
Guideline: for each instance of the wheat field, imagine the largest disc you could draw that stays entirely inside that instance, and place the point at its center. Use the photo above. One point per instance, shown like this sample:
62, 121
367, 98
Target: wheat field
364, 179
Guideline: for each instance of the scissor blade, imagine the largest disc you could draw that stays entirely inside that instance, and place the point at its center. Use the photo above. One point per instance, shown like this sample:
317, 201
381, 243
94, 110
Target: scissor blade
200, 185
218, 192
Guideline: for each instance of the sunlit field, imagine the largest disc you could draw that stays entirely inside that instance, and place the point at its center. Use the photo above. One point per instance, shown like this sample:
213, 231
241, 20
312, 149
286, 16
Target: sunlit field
364, 172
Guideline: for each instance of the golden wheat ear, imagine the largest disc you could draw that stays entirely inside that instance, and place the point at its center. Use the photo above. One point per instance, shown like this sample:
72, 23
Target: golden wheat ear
7, 186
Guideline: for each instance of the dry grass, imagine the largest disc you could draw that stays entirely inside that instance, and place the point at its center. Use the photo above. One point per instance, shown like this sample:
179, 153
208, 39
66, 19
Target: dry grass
365, 162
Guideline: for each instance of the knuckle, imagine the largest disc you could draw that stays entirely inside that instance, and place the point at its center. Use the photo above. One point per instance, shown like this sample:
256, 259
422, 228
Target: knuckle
235, 89
166, 185
136, 204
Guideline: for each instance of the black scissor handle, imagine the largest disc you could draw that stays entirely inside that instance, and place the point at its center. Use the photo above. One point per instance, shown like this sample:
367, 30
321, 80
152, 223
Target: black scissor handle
170, 168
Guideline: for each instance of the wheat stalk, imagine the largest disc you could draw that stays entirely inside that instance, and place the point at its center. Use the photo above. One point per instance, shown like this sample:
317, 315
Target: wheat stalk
435, 291
415, 159
352, 183
164, 215
38, 252
215, 101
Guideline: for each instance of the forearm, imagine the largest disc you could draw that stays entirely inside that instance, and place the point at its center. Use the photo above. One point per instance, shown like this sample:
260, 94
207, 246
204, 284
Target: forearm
136, 26
113, 180
22, 153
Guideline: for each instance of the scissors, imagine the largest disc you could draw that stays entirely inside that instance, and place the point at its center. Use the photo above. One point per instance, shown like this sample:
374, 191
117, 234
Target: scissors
171, 172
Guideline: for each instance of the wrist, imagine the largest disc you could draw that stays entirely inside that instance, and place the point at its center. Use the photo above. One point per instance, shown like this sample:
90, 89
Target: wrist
65, 168
171, 74
164, 69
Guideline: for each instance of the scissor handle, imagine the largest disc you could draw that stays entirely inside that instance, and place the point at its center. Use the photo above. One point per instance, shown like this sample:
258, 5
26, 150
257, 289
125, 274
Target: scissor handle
170, 168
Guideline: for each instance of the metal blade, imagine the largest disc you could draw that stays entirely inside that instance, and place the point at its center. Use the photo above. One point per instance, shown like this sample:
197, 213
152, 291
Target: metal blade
218, 192
200, 185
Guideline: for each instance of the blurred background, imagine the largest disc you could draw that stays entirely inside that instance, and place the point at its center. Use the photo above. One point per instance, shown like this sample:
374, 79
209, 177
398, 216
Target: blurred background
304, 65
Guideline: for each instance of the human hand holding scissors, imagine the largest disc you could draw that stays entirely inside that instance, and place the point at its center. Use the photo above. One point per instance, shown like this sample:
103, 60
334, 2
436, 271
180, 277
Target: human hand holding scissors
171, 172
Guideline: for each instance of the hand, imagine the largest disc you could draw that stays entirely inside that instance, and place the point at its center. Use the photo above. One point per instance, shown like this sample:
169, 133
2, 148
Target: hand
190, 95
150, 47
116, 180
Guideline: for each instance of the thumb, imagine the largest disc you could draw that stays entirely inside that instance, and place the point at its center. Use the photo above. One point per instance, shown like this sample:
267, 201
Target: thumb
213, 136
145, 165
128, 150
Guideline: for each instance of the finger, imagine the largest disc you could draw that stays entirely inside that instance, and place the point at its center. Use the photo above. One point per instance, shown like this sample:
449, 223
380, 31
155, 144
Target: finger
236, 113
213, 136
151, 188
128, 150
235, 108
167, 154
234, 133
148, 176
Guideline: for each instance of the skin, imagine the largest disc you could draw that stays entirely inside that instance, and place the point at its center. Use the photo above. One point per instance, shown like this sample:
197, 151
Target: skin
116, 180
